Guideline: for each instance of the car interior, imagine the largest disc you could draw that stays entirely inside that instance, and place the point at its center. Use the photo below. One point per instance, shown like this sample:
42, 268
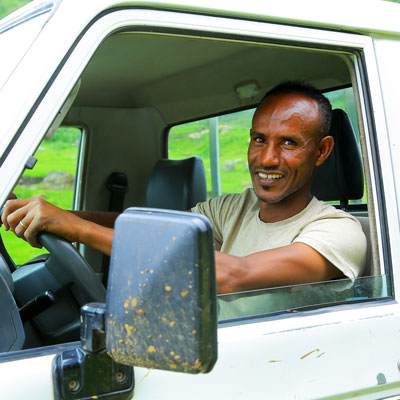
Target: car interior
133, 90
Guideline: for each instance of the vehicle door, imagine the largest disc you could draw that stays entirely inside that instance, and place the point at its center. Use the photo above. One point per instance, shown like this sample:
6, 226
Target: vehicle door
341, 338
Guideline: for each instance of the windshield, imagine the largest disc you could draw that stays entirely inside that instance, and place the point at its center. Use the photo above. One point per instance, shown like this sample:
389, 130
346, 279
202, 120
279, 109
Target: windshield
18, 32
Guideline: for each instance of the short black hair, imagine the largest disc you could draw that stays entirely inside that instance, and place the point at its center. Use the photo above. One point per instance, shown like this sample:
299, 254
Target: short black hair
304, 88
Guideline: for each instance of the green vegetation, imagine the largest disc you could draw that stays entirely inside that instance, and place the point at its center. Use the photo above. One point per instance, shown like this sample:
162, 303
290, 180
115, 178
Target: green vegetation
8, 6
52, 179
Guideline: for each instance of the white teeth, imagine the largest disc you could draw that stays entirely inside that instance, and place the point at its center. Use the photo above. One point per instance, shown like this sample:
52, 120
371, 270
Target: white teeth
269, 176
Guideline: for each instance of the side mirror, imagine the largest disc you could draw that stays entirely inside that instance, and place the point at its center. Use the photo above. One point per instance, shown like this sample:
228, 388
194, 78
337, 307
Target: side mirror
161, 299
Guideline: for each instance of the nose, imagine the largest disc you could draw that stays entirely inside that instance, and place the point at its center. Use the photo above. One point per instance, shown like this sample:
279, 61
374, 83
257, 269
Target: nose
270, 156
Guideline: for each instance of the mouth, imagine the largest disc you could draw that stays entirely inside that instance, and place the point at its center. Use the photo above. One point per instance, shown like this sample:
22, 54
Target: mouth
266, 176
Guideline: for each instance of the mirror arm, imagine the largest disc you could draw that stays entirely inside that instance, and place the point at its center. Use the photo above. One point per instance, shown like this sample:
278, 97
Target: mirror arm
76, 372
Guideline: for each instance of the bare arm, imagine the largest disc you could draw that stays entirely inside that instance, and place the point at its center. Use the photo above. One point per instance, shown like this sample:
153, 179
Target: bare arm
290, 265
103, 218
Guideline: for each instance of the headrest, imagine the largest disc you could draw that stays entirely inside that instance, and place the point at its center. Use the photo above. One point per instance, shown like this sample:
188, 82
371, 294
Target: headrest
341, 176
177, 184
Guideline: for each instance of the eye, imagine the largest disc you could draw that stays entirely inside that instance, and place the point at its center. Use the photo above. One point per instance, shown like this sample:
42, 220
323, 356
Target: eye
289, 142
258, 139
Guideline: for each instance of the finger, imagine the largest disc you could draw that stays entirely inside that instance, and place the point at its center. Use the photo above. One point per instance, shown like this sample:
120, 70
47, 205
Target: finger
21, 227
31, 232
15, 217
9, 208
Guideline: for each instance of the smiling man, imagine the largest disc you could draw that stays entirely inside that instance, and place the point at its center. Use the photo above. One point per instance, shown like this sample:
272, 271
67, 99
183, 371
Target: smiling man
276, 233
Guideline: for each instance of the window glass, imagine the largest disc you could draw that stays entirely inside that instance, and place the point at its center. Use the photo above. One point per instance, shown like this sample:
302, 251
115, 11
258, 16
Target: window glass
292, 299
52, 178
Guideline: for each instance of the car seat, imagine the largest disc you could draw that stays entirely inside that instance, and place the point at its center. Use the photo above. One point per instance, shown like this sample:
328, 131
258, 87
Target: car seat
341, 176
177, 184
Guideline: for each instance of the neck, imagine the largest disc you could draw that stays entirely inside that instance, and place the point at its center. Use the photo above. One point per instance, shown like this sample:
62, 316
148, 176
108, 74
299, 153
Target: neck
286, 208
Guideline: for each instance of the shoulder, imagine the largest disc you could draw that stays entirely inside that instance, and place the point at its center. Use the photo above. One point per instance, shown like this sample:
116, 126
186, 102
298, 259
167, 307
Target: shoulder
319, 210
326, 223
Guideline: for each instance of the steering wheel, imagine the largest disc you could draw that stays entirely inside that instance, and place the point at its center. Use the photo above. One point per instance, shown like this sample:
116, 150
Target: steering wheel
67, 265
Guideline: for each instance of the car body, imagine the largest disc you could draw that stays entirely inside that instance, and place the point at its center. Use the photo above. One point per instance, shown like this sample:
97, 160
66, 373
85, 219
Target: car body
125, 73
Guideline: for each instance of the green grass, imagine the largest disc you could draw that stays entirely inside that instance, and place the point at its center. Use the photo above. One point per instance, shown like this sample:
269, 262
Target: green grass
58, 154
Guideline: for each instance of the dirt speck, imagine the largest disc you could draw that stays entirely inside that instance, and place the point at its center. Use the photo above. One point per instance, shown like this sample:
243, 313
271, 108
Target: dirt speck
197, 365
306, 355
128, 328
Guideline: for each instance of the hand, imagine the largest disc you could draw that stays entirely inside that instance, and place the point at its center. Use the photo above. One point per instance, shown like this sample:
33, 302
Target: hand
27, 217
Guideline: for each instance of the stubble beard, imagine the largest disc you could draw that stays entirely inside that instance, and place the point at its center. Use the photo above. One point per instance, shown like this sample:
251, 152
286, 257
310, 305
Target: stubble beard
273, 200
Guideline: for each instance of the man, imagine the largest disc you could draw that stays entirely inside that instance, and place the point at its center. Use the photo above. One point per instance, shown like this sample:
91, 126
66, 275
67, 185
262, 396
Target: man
275, 234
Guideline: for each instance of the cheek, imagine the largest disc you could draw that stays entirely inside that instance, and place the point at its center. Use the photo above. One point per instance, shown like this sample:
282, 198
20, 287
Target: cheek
299, 156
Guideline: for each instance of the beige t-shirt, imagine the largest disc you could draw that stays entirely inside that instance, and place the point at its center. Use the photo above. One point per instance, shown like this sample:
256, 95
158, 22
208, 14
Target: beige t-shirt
238, 230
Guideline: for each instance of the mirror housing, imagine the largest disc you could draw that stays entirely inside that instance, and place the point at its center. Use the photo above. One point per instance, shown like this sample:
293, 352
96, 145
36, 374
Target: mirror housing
161, 298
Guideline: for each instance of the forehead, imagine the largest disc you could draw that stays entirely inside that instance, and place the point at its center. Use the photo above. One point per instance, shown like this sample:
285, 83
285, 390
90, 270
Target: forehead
291, 110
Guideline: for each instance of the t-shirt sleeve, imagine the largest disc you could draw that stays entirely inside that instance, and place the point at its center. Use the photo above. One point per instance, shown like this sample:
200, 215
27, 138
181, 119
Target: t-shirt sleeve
211, 210
340, 240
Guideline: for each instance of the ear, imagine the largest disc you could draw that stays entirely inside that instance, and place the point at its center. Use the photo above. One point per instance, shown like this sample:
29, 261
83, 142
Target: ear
324, 148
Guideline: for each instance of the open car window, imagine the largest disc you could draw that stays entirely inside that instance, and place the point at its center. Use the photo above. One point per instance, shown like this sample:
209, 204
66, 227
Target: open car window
222, 143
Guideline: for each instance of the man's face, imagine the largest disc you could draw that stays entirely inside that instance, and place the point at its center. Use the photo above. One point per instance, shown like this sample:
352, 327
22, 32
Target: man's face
283, 147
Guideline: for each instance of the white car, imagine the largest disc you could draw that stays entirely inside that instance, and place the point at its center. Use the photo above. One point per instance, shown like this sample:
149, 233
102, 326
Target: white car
130, 77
